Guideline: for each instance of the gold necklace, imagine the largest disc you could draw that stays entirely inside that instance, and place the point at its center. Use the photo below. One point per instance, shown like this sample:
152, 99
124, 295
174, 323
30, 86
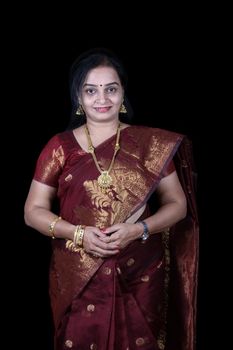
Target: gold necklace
104, 180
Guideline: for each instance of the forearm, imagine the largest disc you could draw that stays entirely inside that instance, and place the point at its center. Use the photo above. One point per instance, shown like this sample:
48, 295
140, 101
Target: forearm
166, 216
40, 219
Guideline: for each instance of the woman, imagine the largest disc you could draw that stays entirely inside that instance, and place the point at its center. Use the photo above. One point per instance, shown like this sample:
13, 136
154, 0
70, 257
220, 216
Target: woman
110, 268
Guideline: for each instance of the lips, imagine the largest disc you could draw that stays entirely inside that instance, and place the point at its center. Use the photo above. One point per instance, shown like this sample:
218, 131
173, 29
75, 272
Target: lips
102, 109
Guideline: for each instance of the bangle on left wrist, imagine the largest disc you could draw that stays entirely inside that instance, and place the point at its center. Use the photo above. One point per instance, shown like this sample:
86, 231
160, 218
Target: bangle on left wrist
145, 235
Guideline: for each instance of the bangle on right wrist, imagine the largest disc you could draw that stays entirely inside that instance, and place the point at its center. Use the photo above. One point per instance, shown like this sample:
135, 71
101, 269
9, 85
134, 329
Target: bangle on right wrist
76, 245
52, 226
79, 236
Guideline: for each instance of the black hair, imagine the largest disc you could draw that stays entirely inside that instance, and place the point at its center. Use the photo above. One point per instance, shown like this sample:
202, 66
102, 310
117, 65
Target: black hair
82, 65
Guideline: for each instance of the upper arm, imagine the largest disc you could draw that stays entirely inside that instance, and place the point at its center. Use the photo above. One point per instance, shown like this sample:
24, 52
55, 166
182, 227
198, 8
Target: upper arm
39, 196
50, 162
170, 190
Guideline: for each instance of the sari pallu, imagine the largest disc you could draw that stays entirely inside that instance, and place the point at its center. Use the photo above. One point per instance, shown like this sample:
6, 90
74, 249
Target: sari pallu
76, 279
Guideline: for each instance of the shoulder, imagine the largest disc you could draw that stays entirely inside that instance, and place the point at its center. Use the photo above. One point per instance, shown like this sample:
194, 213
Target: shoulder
61, 136
60, 139
162, 135
57, 147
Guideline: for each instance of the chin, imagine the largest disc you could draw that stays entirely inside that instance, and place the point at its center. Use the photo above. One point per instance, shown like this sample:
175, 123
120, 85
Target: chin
105, 117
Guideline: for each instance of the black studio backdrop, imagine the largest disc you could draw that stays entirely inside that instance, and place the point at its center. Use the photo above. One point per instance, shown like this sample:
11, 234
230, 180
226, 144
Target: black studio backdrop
165, 90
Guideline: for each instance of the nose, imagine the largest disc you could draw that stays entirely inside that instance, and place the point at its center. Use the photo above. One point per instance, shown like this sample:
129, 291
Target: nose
101, 98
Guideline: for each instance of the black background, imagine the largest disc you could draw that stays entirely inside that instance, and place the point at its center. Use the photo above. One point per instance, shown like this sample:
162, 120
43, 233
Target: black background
170, 82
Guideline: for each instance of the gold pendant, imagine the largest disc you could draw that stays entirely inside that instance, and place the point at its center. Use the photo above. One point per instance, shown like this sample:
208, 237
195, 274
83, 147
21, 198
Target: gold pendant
104, 180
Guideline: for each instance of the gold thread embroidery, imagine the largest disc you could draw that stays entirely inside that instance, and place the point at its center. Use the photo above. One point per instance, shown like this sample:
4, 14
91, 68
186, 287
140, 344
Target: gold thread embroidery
107, 270
145, 278
56, 161
91, 308
140, 341
68, 343
68, 178
161, 341
130, 262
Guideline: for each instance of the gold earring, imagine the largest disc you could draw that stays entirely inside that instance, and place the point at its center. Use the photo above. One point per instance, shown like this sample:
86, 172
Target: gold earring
123, 109
80, 110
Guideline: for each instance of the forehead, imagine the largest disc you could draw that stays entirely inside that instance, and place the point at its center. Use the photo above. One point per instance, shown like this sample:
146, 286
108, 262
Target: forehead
102, 75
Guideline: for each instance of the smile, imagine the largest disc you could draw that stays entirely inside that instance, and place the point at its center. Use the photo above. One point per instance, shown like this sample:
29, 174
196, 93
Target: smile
102, 109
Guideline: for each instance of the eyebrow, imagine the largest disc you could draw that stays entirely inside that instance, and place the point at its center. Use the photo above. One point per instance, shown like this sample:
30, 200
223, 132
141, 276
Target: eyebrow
113, 83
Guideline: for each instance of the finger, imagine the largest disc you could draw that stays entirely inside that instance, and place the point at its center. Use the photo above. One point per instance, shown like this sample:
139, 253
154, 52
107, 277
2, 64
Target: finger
95, 230
96, 255
112, 229
107, 239
106, 245
104, 252
116, 236
111, 243
99, 242
99, 234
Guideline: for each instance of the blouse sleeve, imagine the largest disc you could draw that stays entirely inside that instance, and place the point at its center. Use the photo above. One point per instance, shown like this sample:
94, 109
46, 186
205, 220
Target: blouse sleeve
50, 163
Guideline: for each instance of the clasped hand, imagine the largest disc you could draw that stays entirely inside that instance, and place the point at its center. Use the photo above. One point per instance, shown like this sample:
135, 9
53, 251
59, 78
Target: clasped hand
108, 242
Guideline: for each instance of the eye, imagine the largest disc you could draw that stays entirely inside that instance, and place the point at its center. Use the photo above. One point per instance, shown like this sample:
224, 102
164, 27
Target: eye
111, 89
90, 91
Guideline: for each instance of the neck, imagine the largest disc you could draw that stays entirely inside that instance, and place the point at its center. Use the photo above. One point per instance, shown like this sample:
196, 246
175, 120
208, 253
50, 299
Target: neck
102, 127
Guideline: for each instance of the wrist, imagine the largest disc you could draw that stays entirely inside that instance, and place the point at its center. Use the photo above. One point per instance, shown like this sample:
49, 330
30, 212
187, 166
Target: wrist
144, 230
79, 236
52, 226
139, 229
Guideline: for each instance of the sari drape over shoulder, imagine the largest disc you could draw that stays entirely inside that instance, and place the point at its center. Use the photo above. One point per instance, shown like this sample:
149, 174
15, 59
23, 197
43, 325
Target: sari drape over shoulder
145, 296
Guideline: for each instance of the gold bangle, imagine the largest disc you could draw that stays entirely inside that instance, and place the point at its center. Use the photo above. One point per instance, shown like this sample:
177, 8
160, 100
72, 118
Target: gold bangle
79, 236
76, 232
52, 226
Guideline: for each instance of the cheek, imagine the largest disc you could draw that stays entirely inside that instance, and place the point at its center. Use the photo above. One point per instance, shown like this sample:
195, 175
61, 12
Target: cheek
117, 99
87, 101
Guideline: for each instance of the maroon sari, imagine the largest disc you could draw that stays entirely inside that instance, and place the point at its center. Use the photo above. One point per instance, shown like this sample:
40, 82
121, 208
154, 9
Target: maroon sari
145, 296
